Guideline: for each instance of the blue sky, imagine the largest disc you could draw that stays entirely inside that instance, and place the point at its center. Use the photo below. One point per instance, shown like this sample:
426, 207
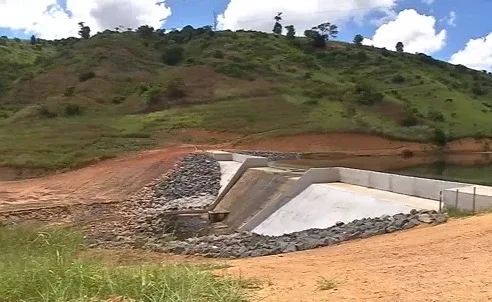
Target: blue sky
425, 29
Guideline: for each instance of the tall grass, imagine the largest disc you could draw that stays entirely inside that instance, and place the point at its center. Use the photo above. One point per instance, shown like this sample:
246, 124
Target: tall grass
42, 266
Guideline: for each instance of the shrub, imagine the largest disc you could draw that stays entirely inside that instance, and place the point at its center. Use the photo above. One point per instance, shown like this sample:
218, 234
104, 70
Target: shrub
439, 137
218, 54
72, 109
152, 95
311, 102
479, 90
69, 91
398, 79
175, 88
142, 88
362, 56
436, 116
366, 95
409, 120
118, 99
85, 76
385, 52
308, 75
173, 55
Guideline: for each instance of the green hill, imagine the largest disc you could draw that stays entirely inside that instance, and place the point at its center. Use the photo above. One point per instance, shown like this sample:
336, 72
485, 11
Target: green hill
70, 101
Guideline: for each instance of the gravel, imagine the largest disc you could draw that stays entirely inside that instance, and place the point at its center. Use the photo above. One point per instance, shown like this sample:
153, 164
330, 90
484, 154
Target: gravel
240, 245
272, 156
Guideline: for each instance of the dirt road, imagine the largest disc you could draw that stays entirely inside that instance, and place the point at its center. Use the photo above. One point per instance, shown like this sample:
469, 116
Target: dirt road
108, 181
450, 262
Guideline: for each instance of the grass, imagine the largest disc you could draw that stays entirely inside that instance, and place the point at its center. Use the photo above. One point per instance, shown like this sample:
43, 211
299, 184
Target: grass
42, 266
458, 213
326, 284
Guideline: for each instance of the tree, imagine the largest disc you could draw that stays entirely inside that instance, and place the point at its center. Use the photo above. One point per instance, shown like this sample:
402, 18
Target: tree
85, 31
291, 32
358, 40
173, 55
145, 31
399, 46
321, 33
277, 28
33, 40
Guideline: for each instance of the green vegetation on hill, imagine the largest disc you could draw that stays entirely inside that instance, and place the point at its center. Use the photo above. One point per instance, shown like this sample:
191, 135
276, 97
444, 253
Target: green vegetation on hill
70, 101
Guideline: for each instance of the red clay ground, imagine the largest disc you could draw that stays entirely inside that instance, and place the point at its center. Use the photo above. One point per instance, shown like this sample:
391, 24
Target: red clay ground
108, 181
450, 262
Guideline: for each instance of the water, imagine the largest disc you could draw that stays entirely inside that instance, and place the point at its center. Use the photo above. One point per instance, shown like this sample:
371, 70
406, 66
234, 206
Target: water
473, 168
478, 174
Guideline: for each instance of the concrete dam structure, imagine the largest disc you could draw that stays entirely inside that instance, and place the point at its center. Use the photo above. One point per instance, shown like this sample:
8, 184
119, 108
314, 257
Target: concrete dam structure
273, 201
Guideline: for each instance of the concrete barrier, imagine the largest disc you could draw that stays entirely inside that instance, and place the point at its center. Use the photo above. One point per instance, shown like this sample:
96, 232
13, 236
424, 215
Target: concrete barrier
406, 185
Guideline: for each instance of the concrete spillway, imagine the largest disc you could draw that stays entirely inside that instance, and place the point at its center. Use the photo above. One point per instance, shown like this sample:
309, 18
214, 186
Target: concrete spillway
272, 201
256, 189
323, 205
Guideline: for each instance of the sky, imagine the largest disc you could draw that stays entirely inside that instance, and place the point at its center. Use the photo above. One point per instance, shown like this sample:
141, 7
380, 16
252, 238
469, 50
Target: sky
457, 31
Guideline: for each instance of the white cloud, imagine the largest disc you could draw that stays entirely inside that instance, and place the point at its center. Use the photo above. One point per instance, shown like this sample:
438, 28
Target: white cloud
47, 19
477, 54
303, 14
416, 31
429, 2
450, 19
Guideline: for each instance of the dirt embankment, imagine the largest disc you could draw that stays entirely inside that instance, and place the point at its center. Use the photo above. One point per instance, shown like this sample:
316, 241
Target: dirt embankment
450, 262
108, 181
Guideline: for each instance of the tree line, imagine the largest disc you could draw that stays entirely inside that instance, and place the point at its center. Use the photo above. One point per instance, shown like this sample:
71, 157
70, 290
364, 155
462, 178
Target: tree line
318, 35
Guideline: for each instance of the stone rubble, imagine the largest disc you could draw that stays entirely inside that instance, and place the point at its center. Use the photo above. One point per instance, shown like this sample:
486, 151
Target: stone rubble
240, 245
192, 184
271, 156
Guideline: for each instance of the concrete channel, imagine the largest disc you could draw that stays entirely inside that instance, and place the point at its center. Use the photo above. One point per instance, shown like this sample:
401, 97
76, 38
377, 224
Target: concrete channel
273, 201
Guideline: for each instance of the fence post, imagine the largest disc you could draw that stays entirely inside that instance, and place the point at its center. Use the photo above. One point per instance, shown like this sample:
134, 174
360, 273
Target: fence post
456, 201
440, 201
474, 195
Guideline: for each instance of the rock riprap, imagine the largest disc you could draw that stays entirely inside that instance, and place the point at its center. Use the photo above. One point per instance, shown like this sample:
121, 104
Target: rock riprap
192, 184
271, 156
247, 244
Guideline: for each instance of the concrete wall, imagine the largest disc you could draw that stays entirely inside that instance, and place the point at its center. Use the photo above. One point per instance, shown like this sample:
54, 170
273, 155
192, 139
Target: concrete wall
407, 185
462, 198
220, 155
246, 162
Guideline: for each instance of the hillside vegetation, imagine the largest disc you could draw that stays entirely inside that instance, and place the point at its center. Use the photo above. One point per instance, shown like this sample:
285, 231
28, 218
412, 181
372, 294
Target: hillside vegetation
70, 101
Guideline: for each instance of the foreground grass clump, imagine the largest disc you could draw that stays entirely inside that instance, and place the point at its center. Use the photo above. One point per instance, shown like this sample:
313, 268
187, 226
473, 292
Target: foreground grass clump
42, 266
